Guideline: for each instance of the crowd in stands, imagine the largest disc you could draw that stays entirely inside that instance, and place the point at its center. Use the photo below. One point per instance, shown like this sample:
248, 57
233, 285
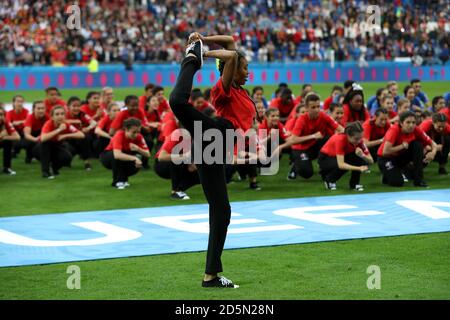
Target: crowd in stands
400, 129
148, 31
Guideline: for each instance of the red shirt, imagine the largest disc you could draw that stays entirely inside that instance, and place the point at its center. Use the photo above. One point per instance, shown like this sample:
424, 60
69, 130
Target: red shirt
235, 106
92, 113
373, 132
446, 111
49, 106
168, 125
49, 126
105, 124
396, 137
124, 115
34, 123
142, 102
290, 124
163, 107
153, 116
305, 126
352, 116
327, 102
265, 126
84, 118
9, 127
428, 128
12, 116
339, 145
122, 143
392, 114
285, 109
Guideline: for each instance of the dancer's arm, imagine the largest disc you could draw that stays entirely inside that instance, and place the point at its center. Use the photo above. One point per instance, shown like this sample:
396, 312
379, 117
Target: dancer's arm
231, 61
226, 42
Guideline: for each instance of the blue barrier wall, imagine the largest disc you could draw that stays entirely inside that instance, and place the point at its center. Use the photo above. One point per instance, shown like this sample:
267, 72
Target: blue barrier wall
25, 78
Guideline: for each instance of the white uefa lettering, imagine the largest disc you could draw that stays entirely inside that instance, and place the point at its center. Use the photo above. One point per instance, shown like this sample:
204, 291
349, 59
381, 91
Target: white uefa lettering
332, 219
181, 223
112, 234
427, 208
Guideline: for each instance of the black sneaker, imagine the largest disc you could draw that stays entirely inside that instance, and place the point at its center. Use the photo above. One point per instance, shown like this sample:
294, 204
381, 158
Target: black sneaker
292, 175
9, 171
87, 167
48, 175
180, 195
421, 184
330, 185
219, 282
196, 48
443, 171
255, 186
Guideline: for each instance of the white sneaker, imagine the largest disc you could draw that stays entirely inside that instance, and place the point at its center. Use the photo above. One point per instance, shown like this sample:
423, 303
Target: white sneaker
196, 48
330, 186
359, 187
120, 185
405, 179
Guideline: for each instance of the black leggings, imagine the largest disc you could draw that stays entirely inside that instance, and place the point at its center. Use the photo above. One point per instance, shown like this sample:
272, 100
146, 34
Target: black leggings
53, 153
212, 176
80, 147
6, 145
121, 169
410, 160
182, 179
442, 156
331, 173
303, 159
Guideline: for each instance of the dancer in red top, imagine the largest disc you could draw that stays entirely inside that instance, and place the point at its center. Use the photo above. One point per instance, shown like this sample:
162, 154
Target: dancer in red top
17, 117
438, 129
33, 126
53, 99
235, 110
354, 109
345, 152
103, 128
375, 130
124, 152
404, 144
7, 135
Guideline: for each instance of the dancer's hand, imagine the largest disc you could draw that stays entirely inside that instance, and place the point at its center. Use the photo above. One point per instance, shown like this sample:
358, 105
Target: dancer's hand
363, 168
138, 163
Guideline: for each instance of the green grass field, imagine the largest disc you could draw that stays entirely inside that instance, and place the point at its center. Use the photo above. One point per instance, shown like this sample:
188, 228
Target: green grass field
412, 267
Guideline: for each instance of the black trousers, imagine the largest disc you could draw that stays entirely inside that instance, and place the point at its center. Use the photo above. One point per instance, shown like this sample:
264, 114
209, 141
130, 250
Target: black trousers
442, 156
303, 158
100, 143
410, 160
212, 176
80, 147
182, 179
7, 146
373, 152
53, 153
31, 145
330, 171
122, 170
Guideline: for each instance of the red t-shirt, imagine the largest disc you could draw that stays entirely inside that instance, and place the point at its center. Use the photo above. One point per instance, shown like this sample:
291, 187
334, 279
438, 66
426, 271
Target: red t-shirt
12, 116
163, 107
327, 102
34, 123
396, 137
142, 102
9, 127
428, 128
153, 116
84, 118
121, 142
305, 126
124, 115
105, 124
392, 114
285, 109
373, 132
446, 111
49, 106
290, 124
168, 125
265, 126
235, 106
92, 113
339, 145
49, 126
352, 116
